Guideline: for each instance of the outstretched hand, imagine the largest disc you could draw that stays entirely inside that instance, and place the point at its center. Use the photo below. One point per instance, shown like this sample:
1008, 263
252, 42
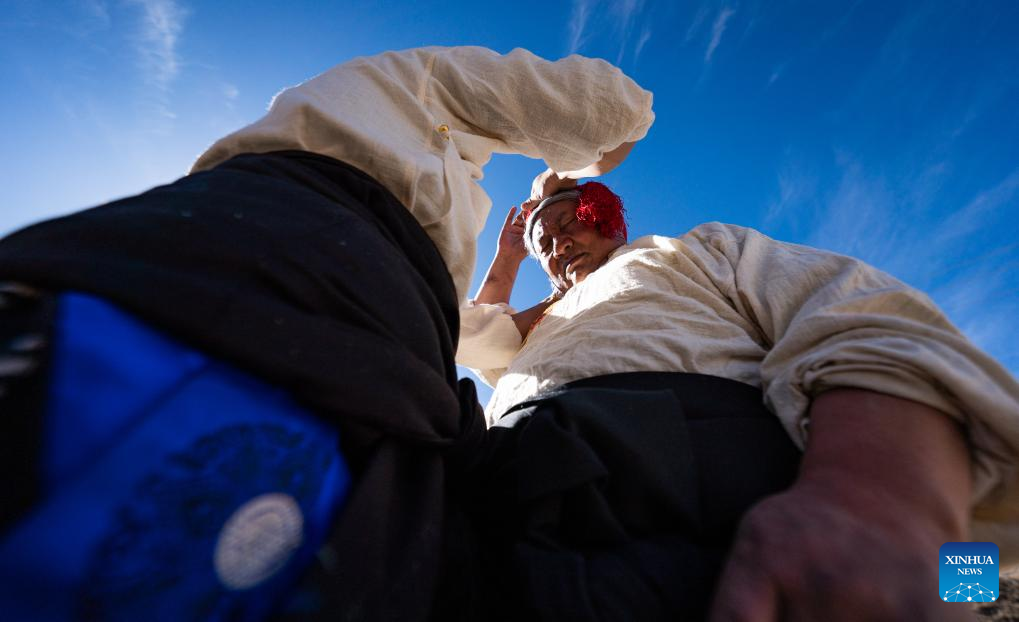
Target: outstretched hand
857, 537
803, 555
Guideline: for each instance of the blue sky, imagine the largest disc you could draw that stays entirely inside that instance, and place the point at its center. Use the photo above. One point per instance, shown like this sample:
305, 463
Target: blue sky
880, 129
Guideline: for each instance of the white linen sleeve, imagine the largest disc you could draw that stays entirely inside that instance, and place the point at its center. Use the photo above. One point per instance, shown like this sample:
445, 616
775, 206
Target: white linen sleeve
488, 339
834, 321
568, 112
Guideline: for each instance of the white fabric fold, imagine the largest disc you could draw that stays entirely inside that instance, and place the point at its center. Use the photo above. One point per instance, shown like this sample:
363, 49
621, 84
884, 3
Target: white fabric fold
423, 123
488, 337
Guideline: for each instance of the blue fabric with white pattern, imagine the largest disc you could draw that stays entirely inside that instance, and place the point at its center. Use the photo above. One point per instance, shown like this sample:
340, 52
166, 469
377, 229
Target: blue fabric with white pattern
175, 487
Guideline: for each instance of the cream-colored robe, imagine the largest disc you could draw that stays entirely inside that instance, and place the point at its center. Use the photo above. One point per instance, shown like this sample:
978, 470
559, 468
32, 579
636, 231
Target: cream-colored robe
729, 301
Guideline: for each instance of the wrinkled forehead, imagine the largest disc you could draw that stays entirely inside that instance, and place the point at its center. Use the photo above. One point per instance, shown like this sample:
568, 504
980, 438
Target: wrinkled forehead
549, 219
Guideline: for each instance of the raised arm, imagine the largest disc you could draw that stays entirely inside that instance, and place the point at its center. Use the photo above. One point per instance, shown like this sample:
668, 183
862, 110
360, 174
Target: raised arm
502, 273
610, 160
580, 115
510, 252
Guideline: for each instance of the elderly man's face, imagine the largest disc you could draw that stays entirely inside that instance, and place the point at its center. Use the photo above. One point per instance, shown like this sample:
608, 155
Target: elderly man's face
568, 249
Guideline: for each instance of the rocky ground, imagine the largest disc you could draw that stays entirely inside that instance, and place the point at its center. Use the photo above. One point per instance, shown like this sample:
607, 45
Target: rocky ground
1006, 608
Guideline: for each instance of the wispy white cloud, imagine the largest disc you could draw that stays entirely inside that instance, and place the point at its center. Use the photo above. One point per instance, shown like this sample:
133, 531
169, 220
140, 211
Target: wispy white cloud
810, 49
981, 300
888, 223
984, 96
695, 24
578, 23
976, 214
645, 36
96, 10
797, 190
625, 13
230, 94
776, 73
859, 218
608, 23
156, 40
717, 30
888, 75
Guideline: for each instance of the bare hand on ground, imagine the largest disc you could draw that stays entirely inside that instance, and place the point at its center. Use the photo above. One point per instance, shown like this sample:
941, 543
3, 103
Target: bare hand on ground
808, 555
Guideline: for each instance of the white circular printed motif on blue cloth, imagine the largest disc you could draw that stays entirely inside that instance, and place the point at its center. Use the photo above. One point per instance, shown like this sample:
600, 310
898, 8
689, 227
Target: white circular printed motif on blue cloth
258, 540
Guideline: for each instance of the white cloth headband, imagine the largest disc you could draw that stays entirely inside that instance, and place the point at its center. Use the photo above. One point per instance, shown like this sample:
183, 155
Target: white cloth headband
565, 195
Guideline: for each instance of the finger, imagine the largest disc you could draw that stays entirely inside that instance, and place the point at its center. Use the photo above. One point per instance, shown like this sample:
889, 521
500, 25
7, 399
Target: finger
510, 217
745, 594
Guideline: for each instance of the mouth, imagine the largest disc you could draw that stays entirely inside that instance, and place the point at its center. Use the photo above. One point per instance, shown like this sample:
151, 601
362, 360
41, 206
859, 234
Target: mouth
571, 262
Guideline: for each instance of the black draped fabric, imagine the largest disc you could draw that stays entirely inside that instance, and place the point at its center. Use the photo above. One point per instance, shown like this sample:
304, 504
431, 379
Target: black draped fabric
617, 497
26, 317
304, 271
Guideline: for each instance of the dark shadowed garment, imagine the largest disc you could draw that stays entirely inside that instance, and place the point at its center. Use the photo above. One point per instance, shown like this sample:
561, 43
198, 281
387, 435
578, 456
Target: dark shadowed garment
614, 499
617, 497
306, 273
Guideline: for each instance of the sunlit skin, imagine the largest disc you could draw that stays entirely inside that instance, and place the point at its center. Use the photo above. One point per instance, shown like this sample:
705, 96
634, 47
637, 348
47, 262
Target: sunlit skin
568, 249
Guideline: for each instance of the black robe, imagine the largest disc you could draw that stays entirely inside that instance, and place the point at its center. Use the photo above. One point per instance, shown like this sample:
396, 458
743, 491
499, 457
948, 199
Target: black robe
306, 272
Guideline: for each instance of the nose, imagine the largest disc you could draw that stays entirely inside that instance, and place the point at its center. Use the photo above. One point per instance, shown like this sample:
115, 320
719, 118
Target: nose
561, 244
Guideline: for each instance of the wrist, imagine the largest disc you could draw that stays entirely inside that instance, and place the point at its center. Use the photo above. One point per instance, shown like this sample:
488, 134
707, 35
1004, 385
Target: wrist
920, 511
507, 261
889, 459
